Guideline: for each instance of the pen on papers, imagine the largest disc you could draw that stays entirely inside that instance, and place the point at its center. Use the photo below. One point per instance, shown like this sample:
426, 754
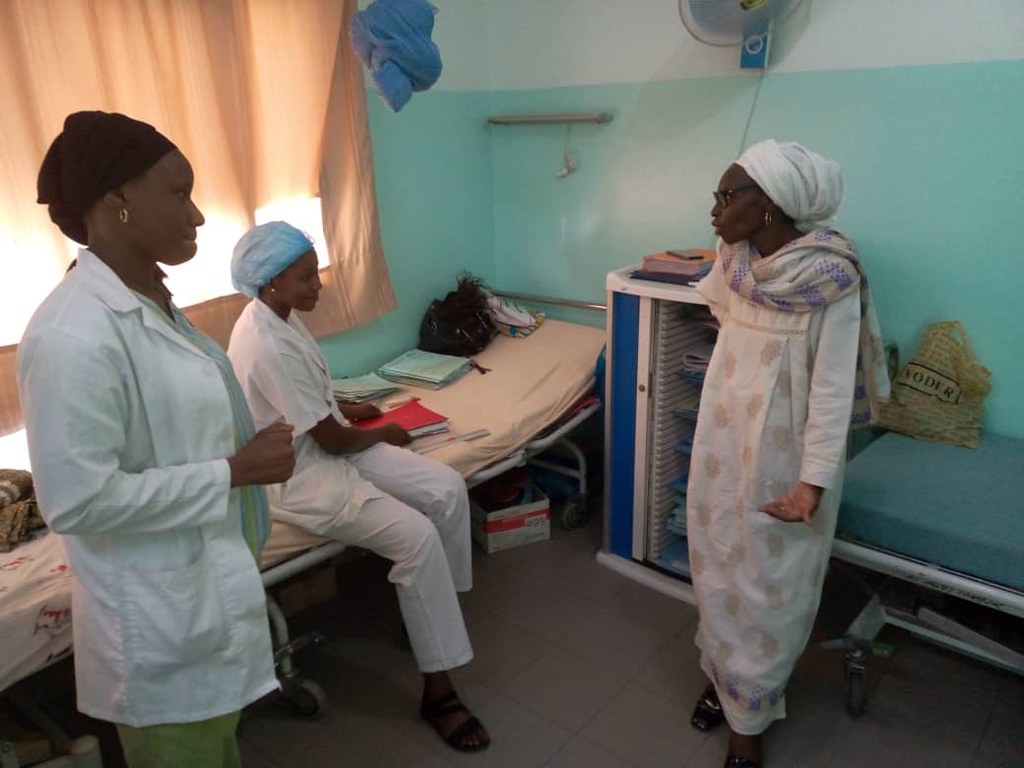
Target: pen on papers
390, 405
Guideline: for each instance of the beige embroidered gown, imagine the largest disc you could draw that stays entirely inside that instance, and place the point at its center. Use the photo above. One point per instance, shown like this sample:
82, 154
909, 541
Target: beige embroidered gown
775, 409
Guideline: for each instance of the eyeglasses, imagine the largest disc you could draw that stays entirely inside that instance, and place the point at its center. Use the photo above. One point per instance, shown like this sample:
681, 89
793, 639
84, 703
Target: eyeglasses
724, 196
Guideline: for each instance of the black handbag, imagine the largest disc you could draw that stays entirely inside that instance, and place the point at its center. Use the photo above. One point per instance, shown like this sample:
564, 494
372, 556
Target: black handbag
459, 324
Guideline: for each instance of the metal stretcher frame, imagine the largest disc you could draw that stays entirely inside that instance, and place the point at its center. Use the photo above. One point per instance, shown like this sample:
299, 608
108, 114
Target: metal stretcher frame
926, 623
304, 694
859, 643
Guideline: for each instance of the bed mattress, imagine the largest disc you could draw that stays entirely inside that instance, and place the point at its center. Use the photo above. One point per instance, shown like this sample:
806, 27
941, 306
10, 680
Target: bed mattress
958, 508
531, 383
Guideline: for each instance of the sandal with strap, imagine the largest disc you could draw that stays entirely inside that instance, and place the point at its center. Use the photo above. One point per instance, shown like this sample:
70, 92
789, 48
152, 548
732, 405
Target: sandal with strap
735, 761
449, 704
708, 713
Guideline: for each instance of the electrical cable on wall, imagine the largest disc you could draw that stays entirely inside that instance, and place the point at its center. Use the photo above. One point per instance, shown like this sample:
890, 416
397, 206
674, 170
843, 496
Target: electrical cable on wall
750, 115
568, 164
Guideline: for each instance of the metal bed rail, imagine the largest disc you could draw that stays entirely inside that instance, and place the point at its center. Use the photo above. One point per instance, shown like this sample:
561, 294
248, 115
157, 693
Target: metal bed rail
859, 644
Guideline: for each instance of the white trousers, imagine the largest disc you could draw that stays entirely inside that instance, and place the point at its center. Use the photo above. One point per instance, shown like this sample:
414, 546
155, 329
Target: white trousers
422, 526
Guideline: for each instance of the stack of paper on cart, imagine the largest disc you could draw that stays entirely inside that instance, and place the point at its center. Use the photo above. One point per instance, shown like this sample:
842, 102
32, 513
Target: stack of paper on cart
361, 389
425, 369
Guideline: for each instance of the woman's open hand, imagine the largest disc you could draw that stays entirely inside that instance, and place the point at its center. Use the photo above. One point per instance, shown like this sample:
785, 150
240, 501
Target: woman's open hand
799, 505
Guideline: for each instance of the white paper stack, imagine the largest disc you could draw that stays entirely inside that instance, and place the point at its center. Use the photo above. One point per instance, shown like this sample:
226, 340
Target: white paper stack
425, 369
697, 358
361, 389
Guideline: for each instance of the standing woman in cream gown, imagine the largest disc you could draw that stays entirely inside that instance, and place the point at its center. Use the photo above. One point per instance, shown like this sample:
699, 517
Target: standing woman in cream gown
798, 357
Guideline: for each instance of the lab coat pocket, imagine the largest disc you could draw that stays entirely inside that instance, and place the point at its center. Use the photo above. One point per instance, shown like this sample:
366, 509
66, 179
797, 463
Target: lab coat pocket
175, 617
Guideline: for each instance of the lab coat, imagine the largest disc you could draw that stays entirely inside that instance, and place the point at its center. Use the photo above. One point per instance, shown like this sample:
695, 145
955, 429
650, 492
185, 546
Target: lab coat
284, 376
129, 426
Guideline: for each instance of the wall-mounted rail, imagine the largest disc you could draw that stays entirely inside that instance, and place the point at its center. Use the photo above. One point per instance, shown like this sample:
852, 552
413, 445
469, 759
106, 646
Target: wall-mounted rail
568, 117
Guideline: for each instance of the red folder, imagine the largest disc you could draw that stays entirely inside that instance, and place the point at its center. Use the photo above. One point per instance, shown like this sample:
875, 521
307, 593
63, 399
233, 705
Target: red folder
413, 417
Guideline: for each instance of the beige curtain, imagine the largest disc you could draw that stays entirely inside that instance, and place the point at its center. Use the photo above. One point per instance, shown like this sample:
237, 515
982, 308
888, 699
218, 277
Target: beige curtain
265, 99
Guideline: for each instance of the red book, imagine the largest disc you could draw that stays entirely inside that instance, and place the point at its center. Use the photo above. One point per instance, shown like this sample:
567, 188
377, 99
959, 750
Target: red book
413, 417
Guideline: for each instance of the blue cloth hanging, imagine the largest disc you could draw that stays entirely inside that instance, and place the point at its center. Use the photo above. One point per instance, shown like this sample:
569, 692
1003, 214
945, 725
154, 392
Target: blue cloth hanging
392, 39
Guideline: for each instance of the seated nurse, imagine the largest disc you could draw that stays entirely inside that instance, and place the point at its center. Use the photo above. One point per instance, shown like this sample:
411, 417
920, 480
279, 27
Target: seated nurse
352, 485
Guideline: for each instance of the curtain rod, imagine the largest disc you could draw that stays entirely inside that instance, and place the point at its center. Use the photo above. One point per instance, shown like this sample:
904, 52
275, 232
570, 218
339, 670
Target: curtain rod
568, 117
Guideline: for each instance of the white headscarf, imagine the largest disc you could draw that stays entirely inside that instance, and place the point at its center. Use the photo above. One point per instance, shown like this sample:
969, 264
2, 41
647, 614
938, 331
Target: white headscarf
263, 253
806, 186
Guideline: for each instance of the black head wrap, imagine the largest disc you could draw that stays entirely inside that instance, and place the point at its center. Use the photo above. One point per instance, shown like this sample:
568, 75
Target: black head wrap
95, 153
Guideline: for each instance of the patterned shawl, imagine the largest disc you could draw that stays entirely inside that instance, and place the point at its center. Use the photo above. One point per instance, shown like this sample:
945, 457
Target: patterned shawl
807, 274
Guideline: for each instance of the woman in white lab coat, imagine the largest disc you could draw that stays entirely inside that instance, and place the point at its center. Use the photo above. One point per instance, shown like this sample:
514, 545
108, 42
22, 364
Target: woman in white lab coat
144, 457
356, 486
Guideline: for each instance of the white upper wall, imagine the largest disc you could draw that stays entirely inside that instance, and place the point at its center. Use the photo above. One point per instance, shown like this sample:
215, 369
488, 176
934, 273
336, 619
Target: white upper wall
461, 32
521, 44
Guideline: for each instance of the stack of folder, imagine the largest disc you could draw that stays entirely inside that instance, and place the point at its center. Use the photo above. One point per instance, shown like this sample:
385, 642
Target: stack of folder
425, 369
413, 417
361, 389
684, 266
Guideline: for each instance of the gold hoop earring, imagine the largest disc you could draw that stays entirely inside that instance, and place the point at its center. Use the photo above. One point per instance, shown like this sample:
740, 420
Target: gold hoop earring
767, 218
123, 215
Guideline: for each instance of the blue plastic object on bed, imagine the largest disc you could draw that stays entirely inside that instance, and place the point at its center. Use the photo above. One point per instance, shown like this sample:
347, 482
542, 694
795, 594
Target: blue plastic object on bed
958, 508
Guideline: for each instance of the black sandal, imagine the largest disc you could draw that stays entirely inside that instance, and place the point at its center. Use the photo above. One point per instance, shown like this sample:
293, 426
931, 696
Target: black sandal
449, 704
708, 714
735, 761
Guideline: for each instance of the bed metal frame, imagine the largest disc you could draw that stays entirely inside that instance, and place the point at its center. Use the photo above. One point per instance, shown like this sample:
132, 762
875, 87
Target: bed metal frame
859, 644
859, 641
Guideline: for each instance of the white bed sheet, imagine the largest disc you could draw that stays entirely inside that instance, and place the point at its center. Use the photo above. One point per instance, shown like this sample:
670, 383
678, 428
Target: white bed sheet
533, 381
35, 608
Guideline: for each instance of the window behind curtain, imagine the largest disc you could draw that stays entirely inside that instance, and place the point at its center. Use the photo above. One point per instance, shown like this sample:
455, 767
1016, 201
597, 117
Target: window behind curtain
265, 99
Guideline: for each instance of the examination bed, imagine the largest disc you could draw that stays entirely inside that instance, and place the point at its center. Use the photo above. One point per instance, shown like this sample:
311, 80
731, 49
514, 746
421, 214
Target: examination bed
942, 517
528, 401
532, 396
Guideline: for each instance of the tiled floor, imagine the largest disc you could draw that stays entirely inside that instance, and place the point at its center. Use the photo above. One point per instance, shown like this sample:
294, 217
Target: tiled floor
577, 667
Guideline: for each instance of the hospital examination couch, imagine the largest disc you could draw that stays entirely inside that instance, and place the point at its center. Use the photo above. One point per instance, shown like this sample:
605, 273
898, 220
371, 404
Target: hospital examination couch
529, 401
947, 520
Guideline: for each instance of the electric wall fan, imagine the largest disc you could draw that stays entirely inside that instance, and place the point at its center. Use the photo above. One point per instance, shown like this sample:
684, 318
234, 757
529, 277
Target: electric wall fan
732, 22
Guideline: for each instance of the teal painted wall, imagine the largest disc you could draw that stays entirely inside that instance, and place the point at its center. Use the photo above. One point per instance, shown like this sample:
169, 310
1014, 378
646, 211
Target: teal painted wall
641, 184
933, 167
922, 111
932, 164
433, 174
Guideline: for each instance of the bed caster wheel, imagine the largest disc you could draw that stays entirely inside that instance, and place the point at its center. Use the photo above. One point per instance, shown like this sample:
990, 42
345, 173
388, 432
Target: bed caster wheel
856, 665
574, 512
305, 697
